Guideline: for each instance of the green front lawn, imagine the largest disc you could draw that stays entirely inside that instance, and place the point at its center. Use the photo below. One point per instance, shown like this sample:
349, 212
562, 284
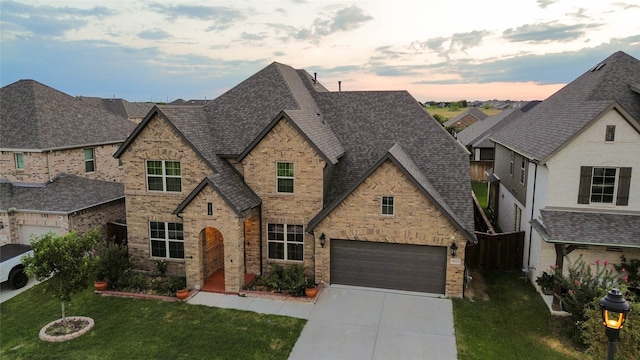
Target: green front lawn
143, 329
514, 324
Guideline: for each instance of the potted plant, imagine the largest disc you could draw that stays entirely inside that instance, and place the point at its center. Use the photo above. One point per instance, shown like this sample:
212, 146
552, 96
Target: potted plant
310, 289
182, 293
546, 282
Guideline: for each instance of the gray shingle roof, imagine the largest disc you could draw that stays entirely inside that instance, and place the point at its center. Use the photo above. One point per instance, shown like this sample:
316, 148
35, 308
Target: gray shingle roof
589, 228
479, 115
540, 132
65, 194
37, 117
369, 123
479, 129
353, 130
119, 107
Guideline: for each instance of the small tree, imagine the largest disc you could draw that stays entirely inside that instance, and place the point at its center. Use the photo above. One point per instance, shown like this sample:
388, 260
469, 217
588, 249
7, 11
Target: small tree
64, 261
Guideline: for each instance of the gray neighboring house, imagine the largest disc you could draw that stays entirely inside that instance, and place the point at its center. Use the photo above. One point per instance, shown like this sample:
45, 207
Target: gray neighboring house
53, 145
567, 172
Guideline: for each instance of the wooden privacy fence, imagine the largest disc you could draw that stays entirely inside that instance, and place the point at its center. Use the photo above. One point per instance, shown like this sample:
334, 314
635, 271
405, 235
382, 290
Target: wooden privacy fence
478, 170
117, 233
502, 251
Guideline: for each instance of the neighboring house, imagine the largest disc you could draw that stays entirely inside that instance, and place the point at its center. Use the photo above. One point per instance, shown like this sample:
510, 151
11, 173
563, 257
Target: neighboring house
361, 188
189, 102
133, 111
44, 134
569, 170
465, 119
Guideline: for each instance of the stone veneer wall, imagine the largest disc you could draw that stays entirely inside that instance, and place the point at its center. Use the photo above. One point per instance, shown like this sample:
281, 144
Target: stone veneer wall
284, 143
70, 161
416, 221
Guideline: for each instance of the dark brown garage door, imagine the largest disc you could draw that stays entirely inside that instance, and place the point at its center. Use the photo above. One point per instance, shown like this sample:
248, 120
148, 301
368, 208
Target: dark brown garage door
390, 266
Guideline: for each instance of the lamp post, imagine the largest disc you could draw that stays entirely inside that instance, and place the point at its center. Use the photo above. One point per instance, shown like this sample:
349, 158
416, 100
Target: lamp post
614, 312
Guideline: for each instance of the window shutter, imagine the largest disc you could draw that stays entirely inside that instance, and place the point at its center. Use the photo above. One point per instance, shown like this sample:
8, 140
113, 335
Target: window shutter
584, 190
624, 183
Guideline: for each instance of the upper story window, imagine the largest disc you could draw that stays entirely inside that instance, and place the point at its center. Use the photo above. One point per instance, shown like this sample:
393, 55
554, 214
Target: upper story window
89, 160
19, 159
163, 175
523, 165
286, 242
512, 158
387, 205
610, 134
604, 185
284, 177
167, 240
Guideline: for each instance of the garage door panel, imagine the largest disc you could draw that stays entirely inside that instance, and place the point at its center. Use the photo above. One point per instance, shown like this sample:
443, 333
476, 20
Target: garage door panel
384, 265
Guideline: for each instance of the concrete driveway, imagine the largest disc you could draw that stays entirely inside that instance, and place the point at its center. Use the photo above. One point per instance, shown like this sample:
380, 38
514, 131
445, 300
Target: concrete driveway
6, 292
363, 323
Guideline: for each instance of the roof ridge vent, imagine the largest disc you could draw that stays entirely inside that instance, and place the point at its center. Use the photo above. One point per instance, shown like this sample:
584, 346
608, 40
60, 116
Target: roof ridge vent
598, 67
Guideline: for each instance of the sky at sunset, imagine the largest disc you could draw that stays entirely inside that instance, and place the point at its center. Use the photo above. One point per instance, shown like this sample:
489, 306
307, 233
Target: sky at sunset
437, 50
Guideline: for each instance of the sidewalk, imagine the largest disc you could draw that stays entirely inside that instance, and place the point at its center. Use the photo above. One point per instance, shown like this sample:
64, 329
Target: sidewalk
300, 310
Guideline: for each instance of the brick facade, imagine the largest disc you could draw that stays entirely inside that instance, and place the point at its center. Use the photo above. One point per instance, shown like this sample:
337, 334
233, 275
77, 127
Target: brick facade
416, 221
40, 167
97, 217
284, 143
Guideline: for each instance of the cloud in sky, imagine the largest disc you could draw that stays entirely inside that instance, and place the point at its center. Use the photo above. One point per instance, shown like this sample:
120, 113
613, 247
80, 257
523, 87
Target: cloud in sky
167, 50
548, 32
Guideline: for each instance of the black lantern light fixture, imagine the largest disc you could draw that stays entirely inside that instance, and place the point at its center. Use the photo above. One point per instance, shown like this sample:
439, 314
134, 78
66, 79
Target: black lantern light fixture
614, 313
454, 249
322, 240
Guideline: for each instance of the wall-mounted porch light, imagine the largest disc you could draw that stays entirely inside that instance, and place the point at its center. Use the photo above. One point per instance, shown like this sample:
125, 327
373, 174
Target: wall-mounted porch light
323, 240
454, 249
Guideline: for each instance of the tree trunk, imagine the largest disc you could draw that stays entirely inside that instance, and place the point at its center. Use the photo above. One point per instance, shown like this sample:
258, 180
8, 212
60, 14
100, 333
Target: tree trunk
64, 317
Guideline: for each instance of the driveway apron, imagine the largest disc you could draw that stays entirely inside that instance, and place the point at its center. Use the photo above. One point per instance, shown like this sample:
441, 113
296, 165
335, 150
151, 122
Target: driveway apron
363, 323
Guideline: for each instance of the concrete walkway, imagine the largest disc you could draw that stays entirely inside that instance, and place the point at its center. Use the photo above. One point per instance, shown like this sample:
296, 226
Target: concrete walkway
360, 323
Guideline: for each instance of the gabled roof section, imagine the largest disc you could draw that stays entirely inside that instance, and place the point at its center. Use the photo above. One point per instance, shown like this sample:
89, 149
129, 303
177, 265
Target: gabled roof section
475, 112
480, 128
307, 118
403, 161
65, 194
586, 228
230, 186
37, 117
543, 130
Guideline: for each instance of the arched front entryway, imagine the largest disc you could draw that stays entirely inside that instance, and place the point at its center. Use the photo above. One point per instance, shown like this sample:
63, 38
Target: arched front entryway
212, 259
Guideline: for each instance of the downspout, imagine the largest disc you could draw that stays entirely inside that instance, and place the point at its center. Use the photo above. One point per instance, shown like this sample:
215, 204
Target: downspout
533, 203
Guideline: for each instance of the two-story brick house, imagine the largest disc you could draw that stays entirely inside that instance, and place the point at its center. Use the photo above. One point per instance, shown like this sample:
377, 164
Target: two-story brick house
568, 170
57, 170
361, 188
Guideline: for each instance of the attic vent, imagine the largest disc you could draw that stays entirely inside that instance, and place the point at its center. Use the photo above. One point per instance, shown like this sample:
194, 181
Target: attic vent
598, 67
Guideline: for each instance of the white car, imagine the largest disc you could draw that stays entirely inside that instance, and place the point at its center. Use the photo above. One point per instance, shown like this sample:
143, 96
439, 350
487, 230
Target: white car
11, 267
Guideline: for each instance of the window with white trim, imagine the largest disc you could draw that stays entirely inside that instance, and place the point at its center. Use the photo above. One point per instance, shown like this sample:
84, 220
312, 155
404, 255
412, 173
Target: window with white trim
387, 205
164, 175
603, 184
286, 242
89, 160
523, 165
19, 159
166, 240
284, 177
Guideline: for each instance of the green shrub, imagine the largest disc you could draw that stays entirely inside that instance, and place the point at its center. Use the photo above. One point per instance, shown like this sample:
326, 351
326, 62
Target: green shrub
112, 262
294, 281
161, 267
592, 331
631, 269
276, 278
581, 286
134, 280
